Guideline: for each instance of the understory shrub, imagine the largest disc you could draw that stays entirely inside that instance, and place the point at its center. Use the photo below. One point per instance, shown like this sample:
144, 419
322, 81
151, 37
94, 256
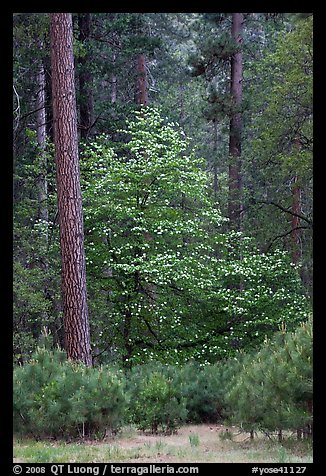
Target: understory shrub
156, 402
56, 397
163, 396
269, 390
272, 389
202, 388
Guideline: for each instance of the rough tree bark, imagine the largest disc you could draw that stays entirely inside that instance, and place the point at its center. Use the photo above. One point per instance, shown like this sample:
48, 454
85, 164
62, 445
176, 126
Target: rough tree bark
235, 185
76, 325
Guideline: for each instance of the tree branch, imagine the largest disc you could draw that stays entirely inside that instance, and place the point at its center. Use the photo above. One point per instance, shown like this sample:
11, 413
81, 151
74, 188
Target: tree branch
286, 234
286, 210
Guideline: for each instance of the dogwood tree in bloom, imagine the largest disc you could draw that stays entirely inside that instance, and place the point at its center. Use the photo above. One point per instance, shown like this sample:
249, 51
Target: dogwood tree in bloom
161, 269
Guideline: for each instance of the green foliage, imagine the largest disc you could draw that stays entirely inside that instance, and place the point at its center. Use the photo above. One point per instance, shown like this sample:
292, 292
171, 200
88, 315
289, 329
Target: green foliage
203, 390
30, 305
36, 268
146, 226
273, 388
266, 390
161, 271
279, 156
53, 396
198, 392
156, 402
286, 74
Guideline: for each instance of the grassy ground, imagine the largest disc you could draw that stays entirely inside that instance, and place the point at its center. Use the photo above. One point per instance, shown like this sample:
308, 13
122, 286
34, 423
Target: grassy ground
192, 444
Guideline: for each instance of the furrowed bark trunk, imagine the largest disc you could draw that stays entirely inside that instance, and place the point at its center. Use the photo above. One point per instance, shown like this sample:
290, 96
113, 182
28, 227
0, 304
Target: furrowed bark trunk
76, 325
235, 185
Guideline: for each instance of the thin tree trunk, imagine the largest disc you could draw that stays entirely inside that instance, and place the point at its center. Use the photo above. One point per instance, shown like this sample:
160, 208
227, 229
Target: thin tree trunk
42, 185
235, 185
182, 105
113, 83
142, 99
48, 96
86, 108
142, 91
215, 148
296, 209
127, 354
295, 221
76, 325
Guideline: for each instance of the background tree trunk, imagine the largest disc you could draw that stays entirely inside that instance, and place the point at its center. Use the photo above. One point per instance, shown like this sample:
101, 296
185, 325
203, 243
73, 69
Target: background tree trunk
235, 185
295, 222
86, 108
76, 325
42, 184
114, 82
142, 91
215, 152
296, 210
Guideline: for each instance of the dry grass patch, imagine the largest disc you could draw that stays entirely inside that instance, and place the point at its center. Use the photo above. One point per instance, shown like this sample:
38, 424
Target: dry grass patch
136, 447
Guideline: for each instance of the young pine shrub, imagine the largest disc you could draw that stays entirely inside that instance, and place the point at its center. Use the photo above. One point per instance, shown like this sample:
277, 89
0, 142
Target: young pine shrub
155, 402
35, 386
101, 401
273, 390
56, 397
243, 396
203, 391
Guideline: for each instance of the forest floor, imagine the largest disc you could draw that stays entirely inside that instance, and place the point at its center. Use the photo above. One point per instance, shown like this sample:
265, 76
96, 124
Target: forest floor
191, 444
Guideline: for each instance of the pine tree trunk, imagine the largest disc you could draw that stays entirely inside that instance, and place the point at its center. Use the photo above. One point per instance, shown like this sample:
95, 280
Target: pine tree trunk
86, 108
235, 185
76, 325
